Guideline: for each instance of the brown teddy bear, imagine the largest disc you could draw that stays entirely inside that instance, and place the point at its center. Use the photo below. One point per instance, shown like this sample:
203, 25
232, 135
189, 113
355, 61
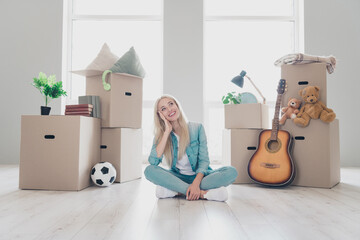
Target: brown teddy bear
313, 108
291, 110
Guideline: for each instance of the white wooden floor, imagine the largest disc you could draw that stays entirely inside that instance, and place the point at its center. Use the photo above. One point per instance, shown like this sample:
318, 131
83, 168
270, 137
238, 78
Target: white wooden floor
131, 211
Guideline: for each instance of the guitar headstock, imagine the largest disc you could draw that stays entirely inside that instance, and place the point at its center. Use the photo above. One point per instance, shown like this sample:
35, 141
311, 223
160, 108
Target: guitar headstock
281, 86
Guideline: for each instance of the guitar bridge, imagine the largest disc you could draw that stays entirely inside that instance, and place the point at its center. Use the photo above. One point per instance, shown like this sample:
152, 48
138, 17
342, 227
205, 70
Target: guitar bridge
270, 165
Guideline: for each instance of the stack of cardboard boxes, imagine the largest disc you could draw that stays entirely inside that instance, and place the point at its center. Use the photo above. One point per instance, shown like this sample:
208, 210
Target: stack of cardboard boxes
58, 152
316, 147
243, 124
121, 108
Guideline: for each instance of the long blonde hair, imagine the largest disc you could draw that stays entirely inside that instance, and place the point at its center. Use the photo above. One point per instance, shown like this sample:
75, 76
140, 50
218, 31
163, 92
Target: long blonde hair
159, 129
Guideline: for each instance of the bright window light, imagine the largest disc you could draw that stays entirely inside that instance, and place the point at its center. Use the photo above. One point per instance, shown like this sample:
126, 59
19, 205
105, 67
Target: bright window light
248, 7
118, 7
243, 35
254, 48
121, 24
145, 36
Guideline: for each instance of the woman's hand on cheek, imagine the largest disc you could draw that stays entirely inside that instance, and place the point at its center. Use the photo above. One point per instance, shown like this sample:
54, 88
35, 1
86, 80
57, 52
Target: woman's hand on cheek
193, 192
168, 127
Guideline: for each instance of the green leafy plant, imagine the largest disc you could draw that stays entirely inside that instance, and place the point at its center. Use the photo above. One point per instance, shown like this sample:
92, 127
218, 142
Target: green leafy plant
49, 87
232, 98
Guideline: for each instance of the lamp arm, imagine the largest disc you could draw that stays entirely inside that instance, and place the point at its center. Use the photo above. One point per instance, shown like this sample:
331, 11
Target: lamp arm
264, 100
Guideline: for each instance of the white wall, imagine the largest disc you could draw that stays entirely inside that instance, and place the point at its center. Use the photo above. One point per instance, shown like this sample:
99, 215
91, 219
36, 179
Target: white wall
332, 27
183, 54
30, 42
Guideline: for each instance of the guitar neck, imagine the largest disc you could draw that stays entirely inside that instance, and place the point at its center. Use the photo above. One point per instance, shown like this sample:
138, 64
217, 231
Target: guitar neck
275, 123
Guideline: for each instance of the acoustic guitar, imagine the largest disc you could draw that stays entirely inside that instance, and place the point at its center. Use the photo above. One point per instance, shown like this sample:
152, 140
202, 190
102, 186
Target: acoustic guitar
271, 164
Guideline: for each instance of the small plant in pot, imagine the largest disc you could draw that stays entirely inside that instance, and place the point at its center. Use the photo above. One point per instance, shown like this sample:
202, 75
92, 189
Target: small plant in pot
232, 98
49, 88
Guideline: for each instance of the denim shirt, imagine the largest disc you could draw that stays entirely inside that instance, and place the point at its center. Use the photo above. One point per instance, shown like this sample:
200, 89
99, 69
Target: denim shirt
196, 151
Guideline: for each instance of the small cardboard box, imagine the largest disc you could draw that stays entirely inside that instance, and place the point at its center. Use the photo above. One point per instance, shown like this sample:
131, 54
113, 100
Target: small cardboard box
122, 147
122, 105
302, 75
316, 153
58, 152
238, 147
249, 115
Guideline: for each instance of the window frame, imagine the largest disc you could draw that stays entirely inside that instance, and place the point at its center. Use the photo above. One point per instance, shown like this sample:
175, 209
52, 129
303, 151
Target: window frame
68, 18
297, 19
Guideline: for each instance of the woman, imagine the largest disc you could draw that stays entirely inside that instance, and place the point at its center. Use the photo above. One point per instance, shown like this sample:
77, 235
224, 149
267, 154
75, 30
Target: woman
184, 146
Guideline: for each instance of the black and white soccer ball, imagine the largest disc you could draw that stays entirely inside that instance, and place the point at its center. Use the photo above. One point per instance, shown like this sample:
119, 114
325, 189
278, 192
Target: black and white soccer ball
103, 174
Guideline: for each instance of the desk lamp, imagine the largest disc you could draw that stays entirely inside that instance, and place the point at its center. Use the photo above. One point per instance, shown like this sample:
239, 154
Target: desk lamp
239, 81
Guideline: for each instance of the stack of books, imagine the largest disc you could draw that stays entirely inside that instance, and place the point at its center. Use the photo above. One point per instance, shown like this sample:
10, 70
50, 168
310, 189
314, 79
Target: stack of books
95, 101
79, 109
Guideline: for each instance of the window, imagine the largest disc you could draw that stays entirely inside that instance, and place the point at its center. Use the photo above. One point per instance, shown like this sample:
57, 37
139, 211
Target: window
244, 35
238, 35
121, 24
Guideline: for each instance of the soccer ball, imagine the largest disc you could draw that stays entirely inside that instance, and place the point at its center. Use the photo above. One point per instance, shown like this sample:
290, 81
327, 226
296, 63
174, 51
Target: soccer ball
103, 174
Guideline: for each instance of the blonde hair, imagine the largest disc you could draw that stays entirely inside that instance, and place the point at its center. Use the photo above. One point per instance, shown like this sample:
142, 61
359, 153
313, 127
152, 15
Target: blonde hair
159, 129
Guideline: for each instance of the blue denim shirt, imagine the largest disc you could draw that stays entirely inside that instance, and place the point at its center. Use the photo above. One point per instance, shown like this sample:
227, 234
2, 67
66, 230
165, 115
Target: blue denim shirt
196, 151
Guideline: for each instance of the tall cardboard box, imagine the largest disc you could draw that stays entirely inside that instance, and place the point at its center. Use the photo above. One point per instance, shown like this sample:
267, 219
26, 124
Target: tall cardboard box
123, 148
299, 76
316, 153
58, 152
249, 115
122, 105
238, 147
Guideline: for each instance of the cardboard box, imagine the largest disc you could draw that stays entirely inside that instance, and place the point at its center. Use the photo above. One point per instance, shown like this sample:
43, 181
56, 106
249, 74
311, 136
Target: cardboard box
302, 75
238, 147
123, 148
122, 105
250, 115
316, 153
58, 152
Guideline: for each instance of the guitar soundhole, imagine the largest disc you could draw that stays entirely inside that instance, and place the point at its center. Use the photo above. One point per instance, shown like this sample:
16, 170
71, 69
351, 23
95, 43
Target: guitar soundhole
273, 145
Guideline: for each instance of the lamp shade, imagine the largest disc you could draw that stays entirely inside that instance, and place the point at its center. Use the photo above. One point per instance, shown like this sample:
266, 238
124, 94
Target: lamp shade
239, 80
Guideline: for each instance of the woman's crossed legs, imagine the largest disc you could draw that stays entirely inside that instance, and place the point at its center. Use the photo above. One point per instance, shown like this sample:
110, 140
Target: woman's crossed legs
177, 182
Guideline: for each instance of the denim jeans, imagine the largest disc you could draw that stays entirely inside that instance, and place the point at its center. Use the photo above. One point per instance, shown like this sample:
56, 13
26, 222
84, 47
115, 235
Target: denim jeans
178, 182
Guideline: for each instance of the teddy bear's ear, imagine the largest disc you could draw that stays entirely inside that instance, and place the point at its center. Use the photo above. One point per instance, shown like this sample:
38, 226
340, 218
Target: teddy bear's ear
301, 92
317, 88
